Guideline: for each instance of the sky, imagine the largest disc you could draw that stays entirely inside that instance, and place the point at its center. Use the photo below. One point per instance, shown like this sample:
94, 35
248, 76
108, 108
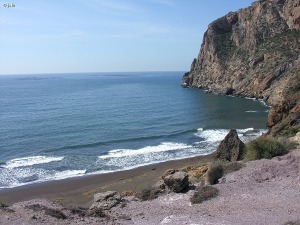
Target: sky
67, 36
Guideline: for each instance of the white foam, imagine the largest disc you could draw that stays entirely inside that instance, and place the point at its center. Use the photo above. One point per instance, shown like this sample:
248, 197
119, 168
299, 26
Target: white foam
213, 135
16, 177
252, 111
216, 135
29, 161
66, 174
163, 147
240, 131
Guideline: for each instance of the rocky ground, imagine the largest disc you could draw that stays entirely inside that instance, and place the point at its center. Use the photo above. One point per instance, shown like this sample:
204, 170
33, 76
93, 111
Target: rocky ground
261, 192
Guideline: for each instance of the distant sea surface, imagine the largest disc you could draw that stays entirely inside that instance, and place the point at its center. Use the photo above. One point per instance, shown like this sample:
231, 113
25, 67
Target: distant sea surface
58, 126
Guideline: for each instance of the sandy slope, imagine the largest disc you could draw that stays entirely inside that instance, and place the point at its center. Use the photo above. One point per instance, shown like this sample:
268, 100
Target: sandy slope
262, 192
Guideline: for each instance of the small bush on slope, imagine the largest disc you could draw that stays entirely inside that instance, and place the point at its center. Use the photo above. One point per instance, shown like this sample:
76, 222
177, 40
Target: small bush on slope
263, 148
293, 223
149, 193
219, 169
55, 213
3, 205
204, 193
214, 173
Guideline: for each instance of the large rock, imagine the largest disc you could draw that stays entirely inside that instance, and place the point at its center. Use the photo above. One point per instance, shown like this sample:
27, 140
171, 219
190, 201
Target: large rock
230, 148
177, 181
106, 200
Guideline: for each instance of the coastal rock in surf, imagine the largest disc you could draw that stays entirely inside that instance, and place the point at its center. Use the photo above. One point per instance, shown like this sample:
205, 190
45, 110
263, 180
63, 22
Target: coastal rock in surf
177, 181
230, 148
106, 200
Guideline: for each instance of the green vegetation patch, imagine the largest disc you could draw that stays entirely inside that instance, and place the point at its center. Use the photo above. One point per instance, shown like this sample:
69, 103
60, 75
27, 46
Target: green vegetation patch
263, 148
3, 205
225, 47
286, 43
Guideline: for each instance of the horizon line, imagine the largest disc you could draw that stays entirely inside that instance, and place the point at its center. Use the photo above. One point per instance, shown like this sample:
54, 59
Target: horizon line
45, 73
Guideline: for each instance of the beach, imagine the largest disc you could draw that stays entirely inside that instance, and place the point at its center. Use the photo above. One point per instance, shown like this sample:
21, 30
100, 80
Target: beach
79, 191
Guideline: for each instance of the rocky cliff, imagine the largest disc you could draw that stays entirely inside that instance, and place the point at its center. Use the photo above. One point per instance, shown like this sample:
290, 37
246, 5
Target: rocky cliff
255, 52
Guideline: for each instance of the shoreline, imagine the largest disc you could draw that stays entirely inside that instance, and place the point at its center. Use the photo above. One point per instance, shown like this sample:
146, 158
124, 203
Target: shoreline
79, 191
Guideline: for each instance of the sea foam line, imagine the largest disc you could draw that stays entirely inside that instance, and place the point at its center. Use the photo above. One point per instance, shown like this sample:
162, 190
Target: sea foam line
30, 161
163, 147
17, 177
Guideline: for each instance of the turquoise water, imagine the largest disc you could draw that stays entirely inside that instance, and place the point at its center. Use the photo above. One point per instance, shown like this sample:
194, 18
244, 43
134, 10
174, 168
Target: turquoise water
57, 126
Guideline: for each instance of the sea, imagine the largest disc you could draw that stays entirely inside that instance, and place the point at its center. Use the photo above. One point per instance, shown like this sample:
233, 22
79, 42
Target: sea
58, 126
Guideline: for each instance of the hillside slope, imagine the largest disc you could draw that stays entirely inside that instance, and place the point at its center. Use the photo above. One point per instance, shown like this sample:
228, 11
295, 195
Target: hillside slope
255, 52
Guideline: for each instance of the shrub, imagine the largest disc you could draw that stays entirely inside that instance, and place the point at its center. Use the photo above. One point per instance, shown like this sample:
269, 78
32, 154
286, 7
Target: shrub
204, 193
36, 207
55, 213
231, 167
79, 211
149, 193
263, 148
214, 173
96, 212
3, 205
293, 223
287, 143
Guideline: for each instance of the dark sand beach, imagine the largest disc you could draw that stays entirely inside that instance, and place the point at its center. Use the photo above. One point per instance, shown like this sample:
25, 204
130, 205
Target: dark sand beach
80, 190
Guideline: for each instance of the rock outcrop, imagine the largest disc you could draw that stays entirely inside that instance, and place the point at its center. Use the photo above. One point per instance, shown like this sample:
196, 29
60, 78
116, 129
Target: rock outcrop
231, 147
106, 200
254, 52
177, 182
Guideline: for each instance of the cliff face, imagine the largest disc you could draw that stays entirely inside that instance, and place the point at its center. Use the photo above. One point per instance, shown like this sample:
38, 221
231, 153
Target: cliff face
255, 52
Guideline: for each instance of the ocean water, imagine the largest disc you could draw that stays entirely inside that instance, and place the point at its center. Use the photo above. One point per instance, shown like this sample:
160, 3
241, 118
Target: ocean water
56, 126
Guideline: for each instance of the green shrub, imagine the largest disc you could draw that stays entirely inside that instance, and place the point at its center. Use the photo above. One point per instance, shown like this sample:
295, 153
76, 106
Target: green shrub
3, 205
263, 148
204, 193
214, 173
287, 143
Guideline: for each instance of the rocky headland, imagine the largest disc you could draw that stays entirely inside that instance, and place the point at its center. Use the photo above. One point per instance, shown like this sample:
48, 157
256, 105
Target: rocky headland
255, 52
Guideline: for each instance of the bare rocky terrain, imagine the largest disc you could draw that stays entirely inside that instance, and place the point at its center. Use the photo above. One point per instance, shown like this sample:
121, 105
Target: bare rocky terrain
261, 192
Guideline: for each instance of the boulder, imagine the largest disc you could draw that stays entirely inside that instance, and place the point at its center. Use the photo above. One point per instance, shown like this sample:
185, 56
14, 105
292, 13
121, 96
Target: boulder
177, 181
106, 200
230, 148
